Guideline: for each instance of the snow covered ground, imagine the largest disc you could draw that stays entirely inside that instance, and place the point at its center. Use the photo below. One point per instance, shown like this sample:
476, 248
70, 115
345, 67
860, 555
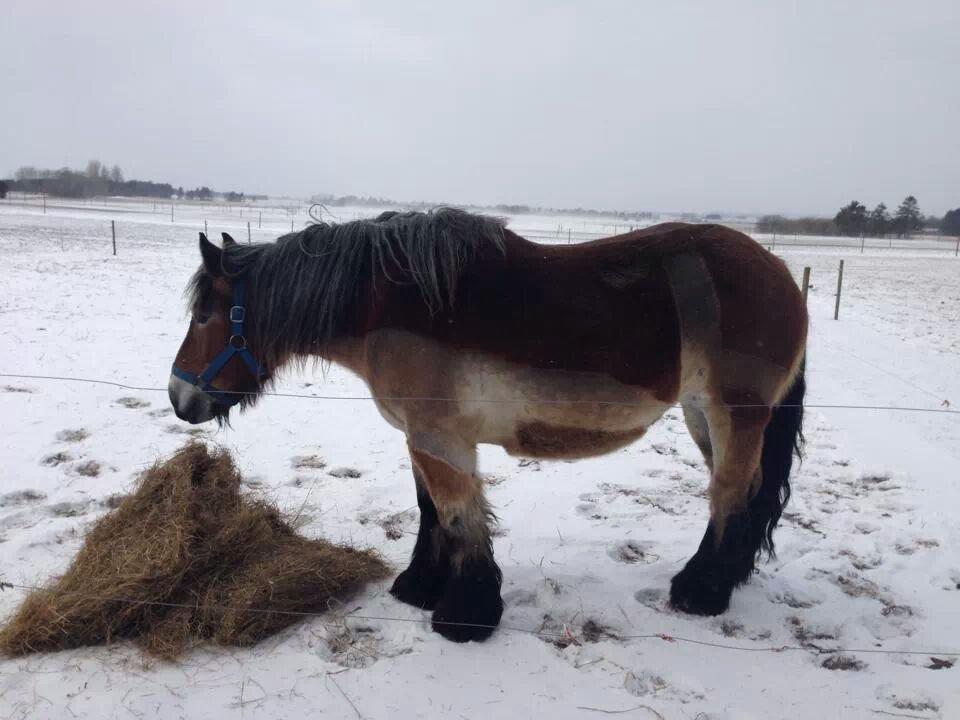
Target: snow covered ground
867, 550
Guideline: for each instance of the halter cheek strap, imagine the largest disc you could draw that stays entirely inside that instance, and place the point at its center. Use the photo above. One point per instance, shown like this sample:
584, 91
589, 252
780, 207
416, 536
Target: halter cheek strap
236, 345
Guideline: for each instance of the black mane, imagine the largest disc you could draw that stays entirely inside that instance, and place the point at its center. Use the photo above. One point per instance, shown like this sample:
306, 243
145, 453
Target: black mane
303, 288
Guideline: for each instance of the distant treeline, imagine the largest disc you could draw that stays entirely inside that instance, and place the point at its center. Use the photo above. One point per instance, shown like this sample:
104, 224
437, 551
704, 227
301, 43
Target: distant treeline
778, 224
98, 180
855, 220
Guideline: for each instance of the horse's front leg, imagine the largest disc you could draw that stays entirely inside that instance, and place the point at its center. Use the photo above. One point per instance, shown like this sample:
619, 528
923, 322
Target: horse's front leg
423, 582
460, 552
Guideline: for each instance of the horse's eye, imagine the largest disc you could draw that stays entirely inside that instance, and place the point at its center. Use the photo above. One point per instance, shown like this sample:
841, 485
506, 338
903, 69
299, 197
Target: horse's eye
201, 317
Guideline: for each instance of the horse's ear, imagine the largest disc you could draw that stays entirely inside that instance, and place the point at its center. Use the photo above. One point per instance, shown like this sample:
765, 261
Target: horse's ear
227, 240
212, 256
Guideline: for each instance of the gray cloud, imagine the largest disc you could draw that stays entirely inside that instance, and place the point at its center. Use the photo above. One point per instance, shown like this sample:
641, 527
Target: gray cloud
754, 106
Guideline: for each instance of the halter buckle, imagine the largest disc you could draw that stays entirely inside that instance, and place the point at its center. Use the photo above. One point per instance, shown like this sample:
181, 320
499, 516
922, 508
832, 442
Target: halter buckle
238, 314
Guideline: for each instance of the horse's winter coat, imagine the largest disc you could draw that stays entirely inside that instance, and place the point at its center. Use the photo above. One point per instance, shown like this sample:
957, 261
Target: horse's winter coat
466, 333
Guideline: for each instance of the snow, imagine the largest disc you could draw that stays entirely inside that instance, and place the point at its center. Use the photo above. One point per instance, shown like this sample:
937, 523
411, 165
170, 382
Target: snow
866, 552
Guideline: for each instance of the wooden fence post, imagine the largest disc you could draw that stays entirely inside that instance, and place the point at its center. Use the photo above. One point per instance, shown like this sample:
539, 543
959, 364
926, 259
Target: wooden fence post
248, 233
568, 236
957, 250
836, 308
113, 232
862, 240
171, 212
260, 220
291, 226
205, 232
806, 282
44, 203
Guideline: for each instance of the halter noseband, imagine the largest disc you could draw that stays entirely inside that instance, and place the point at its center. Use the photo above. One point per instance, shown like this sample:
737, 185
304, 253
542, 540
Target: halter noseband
236, 345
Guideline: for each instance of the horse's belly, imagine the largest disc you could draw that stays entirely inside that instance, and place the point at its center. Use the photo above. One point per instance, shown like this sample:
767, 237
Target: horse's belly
554, 414
540, 440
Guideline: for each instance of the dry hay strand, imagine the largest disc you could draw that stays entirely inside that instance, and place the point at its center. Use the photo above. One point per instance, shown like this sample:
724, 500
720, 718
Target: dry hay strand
187, 558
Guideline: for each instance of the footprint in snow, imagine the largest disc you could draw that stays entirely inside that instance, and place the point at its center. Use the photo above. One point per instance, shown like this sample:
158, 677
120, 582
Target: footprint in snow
344, 472
181, 430
16, 389
132, 403
632, 551
21, 497
562, 635
73, 436
69, 509
307, 462
112, 501
90, 468
653, 598
911, 701
648, 684
57, 458
844, 663
794, 600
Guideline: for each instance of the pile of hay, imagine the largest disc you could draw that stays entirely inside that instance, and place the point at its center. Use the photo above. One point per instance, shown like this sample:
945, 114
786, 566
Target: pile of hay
185, 558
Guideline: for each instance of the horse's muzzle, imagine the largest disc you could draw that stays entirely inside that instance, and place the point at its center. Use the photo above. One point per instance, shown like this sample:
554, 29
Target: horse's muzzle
189, 402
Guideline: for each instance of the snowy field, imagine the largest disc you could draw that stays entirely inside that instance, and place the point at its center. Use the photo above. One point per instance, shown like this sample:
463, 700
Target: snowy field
865, 592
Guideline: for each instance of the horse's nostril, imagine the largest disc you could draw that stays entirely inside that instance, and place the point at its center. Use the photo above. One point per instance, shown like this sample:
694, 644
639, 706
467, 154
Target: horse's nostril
189, 403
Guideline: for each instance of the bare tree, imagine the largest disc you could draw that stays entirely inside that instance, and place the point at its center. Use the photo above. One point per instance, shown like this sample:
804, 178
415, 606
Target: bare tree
94, 169
116, 174
27, 172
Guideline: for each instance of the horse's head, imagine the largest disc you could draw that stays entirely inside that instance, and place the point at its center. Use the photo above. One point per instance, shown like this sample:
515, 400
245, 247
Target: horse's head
214, 368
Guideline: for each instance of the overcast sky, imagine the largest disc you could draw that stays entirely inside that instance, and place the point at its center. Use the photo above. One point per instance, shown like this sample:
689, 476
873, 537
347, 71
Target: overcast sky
750, 106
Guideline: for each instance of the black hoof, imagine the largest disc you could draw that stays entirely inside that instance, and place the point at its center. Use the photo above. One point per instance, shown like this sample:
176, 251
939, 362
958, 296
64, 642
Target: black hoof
420, 587
471, 606
696, 593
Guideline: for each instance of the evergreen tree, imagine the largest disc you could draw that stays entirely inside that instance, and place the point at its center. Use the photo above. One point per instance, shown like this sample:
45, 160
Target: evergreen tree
879, 222
908, 218
950, 225
852, 219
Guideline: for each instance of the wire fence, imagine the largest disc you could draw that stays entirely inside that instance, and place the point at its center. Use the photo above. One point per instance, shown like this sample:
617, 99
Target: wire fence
495, 401
202, 212
568, 634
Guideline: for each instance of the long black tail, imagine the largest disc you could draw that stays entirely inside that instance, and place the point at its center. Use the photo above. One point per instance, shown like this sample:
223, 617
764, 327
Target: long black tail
782, 439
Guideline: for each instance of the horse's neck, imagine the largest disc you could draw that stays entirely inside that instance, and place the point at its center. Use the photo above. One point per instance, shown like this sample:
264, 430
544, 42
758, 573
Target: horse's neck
350, 352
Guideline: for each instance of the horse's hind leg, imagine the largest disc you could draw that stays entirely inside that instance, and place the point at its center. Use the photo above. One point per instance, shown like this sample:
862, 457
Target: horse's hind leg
453, 562
727, 553
700, 432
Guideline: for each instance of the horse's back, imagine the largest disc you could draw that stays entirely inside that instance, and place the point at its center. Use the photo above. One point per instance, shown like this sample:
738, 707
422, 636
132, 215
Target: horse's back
620, 307
652, 294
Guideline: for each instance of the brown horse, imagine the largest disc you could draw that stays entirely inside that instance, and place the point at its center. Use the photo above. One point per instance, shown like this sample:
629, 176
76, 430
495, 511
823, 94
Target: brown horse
466, 333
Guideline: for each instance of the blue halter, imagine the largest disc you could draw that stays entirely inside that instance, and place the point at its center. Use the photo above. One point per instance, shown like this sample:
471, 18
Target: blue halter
236, 345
